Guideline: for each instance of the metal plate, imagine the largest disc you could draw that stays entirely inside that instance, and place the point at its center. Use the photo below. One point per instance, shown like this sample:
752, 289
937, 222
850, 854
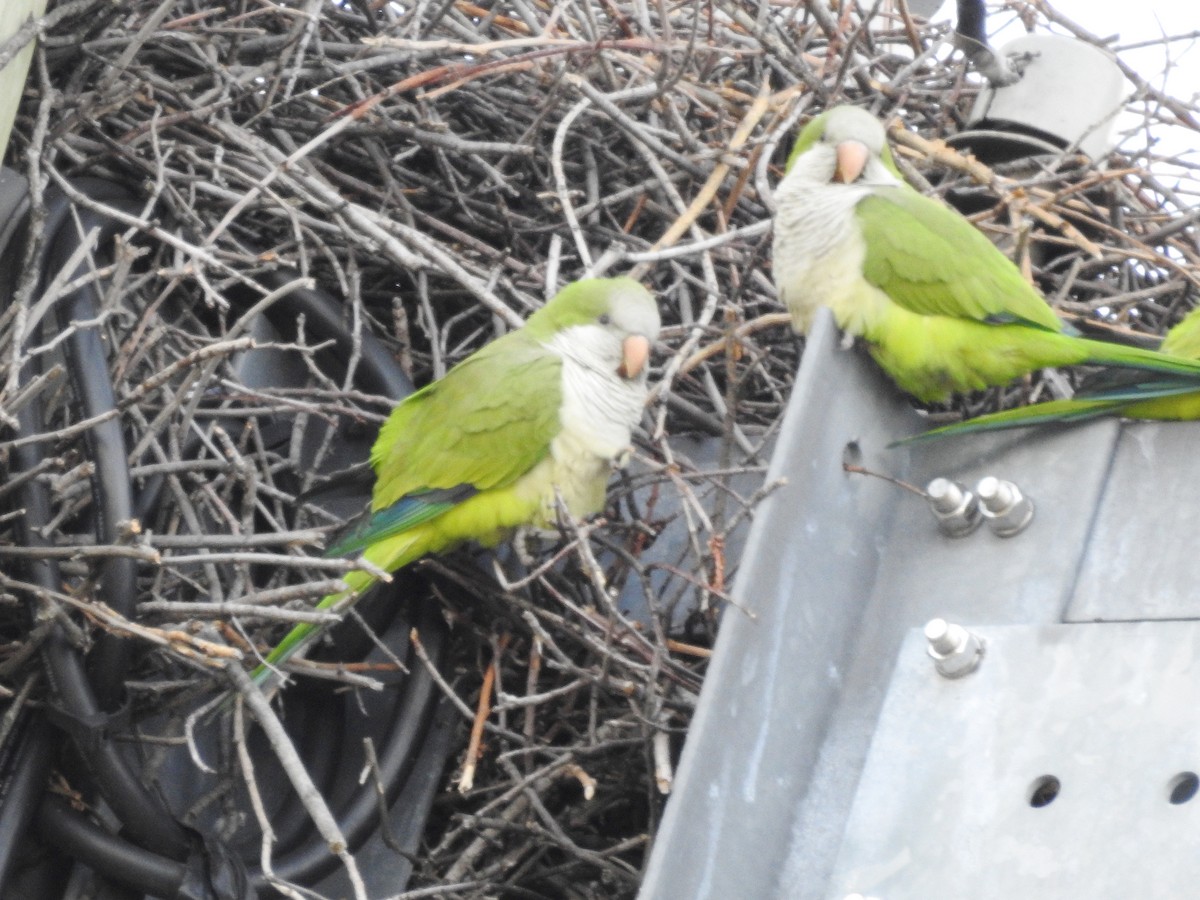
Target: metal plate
837, 568
1137, 565
1112, 711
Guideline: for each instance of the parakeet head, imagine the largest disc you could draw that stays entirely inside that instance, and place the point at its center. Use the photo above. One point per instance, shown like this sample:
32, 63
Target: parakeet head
844, 145
612, 322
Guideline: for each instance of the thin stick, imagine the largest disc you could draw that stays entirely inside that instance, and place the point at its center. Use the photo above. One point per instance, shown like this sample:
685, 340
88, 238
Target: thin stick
466, 781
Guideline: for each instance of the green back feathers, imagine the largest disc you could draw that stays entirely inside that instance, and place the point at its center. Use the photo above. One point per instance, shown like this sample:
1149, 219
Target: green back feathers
492, 417
1184, 339
488, 421
931, 261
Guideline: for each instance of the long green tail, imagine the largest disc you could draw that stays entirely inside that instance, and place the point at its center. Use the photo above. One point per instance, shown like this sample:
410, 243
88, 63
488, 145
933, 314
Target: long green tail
1053, 411
357, 584
1127, 357
1153, 400
1175, 398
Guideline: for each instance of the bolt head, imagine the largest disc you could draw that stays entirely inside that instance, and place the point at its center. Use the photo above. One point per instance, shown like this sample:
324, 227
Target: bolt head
955, 651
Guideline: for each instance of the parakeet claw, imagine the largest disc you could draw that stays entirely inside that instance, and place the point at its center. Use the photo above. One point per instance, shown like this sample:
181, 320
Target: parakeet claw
521, 541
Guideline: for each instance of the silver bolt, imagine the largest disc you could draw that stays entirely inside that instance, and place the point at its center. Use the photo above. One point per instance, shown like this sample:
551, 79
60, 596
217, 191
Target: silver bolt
954, 650
956, 508
1007, 510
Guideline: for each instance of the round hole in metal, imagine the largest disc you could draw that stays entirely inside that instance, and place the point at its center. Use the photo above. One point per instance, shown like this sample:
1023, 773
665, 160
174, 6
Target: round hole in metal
1183, 787
1043, 791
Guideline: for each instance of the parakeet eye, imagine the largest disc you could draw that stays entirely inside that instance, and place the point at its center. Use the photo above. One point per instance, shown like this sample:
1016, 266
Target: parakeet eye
604, 319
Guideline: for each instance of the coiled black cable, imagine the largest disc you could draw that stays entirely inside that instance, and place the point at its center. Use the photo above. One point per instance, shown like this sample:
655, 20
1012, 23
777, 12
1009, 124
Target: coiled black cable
117, 858
112, 487
155, 854
147, 820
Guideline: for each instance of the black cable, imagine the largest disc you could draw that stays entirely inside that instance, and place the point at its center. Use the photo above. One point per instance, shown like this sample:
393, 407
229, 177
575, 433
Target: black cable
26, 768
154, 866
397, 751
149, 823
378, 372
396, 757
145, 818
972, 20
112, 490
118, 859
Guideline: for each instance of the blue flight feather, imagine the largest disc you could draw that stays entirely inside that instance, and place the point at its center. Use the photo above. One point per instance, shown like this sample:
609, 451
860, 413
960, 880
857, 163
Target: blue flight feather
407, 512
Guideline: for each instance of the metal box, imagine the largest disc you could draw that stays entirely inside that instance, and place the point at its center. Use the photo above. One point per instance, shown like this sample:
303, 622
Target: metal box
841, 567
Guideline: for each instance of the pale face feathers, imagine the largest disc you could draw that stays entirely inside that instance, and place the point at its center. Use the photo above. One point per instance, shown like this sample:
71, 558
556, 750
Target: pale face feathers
604, 372
619, 338
632, 315
818, 249
849, 150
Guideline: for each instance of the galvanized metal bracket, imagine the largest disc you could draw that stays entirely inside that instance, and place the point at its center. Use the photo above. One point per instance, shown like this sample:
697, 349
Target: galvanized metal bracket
1063, 767
839, 567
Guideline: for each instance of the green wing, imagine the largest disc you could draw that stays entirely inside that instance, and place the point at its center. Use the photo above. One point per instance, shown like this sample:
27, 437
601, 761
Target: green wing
1184, 339
930, 260
486, 423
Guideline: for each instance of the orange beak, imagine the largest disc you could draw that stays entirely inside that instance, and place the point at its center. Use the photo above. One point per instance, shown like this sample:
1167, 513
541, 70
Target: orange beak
851, 160
635, 351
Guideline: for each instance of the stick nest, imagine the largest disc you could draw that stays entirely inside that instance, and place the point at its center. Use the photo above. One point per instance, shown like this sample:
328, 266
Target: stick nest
442, 168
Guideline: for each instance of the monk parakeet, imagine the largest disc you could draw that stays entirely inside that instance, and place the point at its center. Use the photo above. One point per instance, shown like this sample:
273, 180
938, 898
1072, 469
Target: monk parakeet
1169, 399
938, 306
543, 411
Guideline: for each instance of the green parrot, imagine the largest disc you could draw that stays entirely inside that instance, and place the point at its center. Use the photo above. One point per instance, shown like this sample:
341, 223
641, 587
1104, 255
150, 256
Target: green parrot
541, 412
1170, 399
938, 306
